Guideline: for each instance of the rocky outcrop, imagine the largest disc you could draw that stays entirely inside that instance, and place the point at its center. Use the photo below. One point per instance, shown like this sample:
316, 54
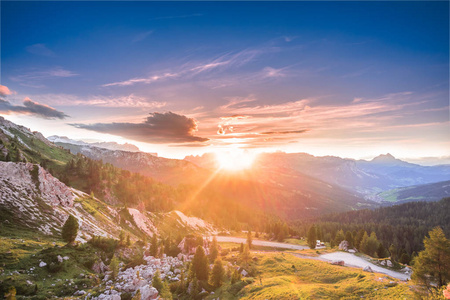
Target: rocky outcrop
148, 292
189, 244
338, 262
140, 278
99, 267
344, 245
368, 269
34, 198
35, 180
142, 221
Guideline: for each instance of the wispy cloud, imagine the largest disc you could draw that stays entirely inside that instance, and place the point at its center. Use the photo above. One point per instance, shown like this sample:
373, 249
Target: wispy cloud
272, 72
40, 49
145, 80
130, 100
191, 69
142, 36
34, 78
30, 107
289, 38
243, 121
284, 132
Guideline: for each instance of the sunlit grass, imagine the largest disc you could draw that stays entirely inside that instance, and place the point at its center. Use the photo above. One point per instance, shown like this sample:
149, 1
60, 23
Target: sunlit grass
284, 276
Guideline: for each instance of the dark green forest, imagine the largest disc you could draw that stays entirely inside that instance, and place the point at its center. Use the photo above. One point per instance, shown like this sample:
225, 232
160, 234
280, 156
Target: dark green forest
403, 226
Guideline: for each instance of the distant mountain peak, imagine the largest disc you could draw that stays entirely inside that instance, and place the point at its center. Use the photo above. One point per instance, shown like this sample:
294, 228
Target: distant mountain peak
105, 145
385, 158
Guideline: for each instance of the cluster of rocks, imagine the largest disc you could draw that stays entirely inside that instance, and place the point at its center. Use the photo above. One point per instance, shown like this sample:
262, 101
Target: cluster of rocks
407, 270
139, 278
345, 246
338, 263
387, 263
368, 269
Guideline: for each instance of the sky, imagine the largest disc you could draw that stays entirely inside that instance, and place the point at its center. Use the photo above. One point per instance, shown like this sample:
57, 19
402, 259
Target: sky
350, 79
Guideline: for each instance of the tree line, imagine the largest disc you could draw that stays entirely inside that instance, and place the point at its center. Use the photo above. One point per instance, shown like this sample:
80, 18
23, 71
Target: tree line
398, 230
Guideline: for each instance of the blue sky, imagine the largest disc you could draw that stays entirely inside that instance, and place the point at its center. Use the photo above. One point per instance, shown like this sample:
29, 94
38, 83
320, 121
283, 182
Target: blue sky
352, 79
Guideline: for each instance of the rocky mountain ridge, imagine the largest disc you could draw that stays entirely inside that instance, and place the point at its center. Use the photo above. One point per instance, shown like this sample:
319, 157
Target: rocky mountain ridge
106, 145
31, 197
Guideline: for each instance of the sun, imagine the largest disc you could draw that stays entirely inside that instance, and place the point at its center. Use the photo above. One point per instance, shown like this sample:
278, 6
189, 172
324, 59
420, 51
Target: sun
235, 161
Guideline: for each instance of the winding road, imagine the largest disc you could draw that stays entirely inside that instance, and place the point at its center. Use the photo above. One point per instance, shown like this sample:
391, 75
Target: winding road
231, 239
349, 259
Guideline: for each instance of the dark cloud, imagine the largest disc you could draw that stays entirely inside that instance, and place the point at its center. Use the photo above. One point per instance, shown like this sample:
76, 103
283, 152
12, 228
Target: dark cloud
32, 108
159, 128
285, 132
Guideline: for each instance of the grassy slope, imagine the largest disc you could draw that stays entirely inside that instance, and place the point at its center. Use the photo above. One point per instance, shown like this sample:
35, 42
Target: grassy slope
21, 250
56, 156
425, 192
311, 280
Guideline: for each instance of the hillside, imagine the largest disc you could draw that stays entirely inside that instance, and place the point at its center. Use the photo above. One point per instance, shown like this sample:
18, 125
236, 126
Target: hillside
424, 192
170, 171
280, 191
106, 145
367, 178
286, 193
404, 225
32, 198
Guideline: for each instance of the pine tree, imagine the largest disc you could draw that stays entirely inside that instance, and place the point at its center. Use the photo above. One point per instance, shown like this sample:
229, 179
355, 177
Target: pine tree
245, 255
372, 244
213, 250
381, 251
11, 295
128, 240
121, 237
249, 239
339, 237
393, 252
349, 239
70, 229
157, 282
363, 246
359, 237
311, 239
235, 277
431, 268
154, 246
165, 292
404, 258
114, 267
194, 289
200, 264
217, 273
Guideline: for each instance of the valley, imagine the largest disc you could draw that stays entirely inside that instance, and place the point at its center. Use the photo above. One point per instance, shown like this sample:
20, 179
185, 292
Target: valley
142, 228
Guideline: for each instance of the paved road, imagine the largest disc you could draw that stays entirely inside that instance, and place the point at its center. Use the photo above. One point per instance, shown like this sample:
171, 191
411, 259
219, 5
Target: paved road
238, 240
356, 261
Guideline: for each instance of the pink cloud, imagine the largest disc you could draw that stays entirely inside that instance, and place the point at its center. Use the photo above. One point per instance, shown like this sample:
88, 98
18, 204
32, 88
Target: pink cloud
5, 91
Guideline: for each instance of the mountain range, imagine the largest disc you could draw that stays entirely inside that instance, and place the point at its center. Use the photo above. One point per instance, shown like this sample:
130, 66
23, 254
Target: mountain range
286, 185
